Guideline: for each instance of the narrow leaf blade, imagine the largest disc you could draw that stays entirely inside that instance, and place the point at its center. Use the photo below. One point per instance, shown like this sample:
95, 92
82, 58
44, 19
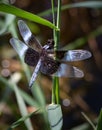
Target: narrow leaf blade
99, 125
22, 119
24, 14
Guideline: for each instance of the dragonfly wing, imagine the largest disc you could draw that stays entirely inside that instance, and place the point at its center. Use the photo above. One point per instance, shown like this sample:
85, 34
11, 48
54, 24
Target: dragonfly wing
28, 37
35, 73
66, 70
31, 57
19, 46
49, 66
76, 55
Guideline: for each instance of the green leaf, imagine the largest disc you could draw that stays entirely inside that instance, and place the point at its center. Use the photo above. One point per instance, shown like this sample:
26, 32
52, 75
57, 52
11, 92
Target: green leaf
22, 107
21, 120
38, 94
99, 125
86, 4
24, 14
25, 96
28, 99
21, 96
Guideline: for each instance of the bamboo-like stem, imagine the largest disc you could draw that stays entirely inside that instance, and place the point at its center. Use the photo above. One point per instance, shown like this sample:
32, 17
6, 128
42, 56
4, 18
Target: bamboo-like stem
55, 89
54, 86
56, 46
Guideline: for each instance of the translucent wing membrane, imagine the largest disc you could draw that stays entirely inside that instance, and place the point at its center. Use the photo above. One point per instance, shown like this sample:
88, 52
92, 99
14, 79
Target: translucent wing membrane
19, 46
28, 37
76, 55
71, 55
66, 70
35, 73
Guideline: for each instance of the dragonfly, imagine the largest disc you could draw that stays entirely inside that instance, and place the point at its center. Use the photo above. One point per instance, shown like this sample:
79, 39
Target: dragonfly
42, 58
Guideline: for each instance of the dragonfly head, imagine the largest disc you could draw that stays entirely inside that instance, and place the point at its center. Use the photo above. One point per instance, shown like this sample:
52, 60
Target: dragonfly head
50, 43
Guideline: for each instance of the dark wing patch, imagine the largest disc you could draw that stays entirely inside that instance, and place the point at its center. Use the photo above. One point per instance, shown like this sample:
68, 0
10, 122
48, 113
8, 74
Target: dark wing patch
60, 54
31, 57
49, 66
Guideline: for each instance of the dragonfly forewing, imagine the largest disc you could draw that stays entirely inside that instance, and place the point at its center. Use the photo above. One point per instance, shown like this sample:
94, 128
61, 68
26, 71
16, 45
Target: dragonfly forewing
19, 46
31, 57
66, 70
28, 37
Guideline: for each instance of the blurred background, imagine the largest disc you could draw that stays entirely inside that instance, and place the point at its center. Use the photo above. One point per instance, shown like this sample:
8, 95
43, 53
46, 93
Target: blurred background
81, 28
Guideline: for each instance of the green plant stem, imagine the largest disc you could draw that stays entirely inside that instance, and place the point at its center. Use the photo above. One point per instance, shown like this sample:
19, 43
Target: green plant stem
55, 89
56, 46
58, 17
53, 12
54, 86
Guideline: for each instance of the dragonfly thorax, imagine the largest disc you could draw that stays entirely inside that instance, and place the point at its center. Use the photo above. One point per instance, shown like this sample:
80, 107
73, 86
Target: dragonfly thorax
44, 52
49, 45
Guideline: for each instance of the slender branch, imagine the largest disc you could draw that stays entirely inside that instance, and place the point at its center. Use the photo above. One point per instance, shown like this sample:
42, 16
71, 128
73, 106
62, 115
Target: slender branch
55, 89
56, 46
54, 36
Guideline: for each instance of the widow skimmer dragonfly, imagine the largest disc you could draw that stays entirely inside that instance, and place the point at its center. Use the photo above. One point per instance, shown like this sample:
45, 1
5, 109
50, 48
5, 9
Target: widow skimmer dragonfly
41, 57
